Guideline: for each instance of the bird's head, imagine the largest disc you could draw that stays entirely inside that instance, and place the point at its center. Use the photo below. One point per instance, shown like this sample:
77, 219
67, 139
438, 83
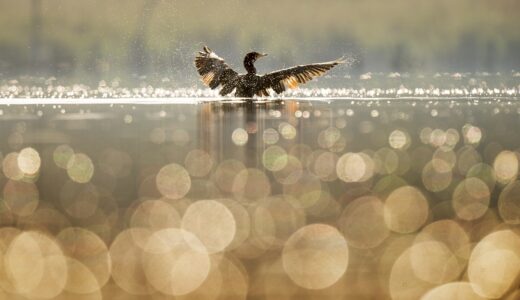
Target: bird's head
253, 56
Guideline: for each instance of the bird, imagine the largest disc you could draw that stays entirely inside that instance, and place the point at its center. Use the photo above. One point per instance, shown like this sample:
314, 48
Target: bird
215, 73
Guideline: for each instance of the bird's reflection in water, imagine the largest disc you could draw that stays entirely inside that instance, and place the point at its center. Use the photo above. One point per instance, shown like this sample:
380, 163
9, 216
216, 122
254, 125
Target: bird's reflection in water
220, 120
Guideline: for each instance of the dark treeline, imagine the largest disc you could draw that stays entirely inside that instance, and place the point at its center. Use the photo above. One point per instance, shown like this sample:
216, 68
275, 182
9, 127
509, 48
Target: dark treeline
118, 38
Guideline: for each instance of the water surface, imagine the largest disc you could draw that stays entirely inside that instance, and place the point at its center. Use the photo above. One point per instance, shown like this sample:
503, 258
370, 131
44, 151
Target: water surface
203, 198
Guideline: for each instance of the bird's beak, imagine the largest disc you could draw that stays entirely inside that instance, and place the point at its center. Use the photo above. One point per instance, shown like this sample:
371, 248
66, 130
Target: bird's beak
263, 54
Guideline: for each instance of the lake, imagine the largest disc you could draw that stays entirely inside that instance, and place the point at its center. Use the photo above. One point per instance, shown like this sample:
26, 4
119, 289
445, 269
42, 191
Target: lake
352, 198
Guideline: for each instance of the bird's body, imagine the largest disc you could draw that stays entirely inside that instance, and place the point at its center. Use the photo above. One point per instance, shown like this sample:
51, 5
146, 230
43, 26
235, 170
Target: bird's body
246, 86
215, 72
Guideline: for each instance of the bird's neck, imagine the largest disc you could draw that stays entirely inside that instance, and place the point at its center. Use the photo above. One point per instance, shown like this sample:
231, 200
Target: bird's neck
249, 65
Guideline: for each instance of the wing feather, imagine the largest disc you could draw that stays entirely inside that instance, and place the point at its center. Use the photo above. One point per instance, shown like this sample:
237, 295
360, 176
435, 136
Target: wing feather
213, 69
280, 80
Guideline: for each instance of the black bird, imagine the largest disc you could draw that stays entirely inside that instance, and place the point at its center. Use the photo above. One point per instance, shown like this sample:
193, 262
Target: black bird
215, 72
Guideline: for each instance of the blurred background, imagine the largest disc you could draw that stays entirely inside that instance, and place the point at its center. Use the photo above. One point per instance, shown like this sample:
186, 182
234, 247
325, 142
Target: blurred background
96, 39
398, 179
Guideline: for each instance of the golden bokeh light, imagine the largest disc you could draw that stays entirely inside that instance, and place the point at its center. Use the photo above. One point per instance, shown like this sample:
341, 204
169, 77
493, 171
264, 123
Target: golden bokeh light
433, 262
300, 151
406, 210
88, 260
79, 200
274, 220
44, 219
324, 165
80, 168
328, 137
7, 234
506, 166
274, 158
494, 265
316, 256
403, 282
235, 281
198, 163
270, 136
485, 173
11, 168
467, 158
175, 262
472, 134
21, 197
509, 203
471, 199
203, 189
126, 252
251, 184
339, 145
362, 222
211, 288
386, 161
173, 181
287, 131
155, 215
29, 161
513, 295
399, 139
443, 160
306, 192
225, 173
394, 248
36, 265
425, 135
454, 290
437, 175
81, 280
289, 199
61, 155
437, 137
239, 136
181, 137
291, 172
272, 282
384, 186
355, 167
452, 138
450, 234
212, 222
326, 206
242, 220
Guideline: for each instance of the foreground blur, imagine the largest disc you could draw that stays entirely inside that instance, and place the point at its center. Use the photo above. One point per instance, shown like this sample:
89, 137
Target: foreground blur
352, 199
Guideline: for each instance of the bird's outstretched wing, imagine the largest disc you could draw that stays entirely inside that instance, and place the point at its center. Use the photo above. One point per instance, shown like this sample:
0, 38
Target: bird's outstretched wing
280, 80
214, 70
